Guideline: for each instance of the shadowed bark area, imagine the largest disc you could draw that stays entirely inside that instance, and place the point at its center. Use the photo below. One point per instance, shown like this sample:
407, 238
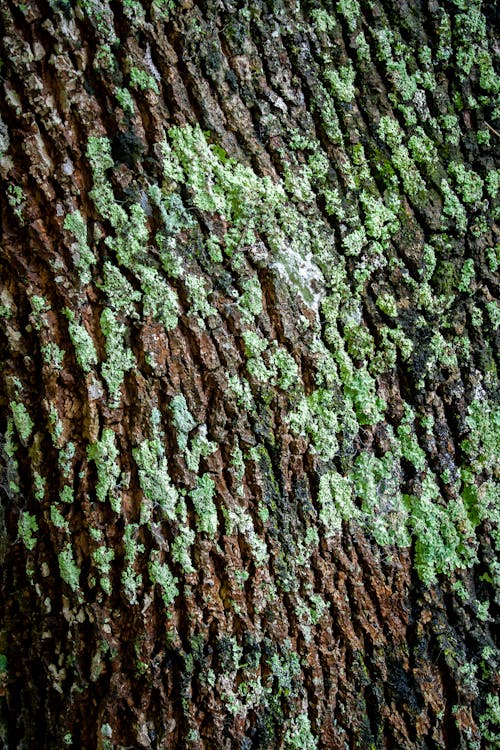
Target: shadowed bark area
248, 295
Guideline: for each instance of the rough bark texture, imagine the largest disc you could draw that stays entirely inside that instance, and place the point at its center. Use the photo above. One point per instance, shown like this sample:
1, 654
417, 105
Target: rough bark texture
248, 280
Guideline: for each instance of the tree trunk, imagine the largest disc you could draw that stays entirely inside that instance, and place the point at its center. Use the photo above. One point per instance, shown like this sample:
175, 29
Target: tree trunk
250, 436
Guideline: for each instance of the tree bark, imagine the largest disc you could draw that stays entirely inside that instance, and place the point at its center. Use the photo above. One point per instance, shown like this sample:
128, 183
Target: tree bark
249, 327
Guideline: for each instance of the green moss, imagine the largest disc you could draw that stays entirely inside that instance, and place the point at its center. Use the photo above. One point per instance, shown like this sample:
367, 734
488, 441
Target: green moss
22, 420
299, 736
26, 526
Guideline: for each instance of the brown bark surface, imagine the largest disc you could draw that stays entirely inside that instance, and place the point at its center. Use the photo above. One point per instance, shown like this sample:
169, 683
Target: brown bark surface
236, 380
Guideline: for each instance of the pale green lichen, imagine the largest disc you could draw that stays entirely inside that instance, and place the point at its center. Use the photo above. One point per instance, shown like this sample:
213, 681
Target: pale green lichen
103, 557
489, 721
410, 448
482, 445
159, 299
125, 100
161, 575
255, 345
120, 359
183, 420
341, 81
287, 371
387, 304
241, 391
198, 297
200, 447
85, 350
104, 454
69, 570
67, 494
55, 425
22, 420
453, 209
26, 527
444, 535
348, 359
16, 199
154, 477
250, 301
131, 580
65, 458
180, 548
316, 416
467, 275
121, 294
39, 486
85, 257
39, 307
204, 505
336, 502
141, 80
52, 355
58, 519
